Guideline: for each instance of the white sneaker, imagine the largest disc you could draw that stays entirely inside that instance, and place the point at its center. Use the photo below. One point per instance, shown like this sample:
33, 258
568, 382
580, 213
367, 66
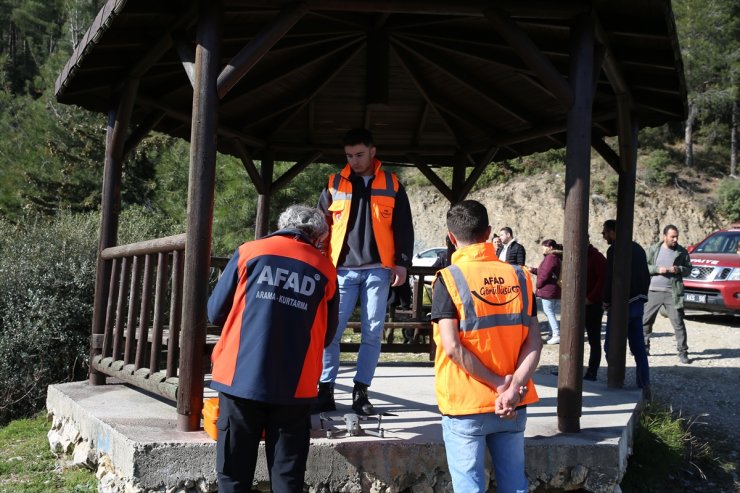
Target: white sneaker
554, 340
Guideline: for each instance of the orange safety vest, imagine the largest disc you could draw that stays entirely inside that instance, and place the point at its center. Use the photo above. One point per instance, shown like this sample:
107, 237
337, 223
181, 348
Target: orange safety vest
382, 201
493, 302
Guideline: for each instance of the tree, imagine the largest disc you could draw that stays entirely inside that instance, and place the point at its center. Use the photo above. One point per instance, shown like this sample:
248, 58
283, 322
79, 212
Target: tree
707, 32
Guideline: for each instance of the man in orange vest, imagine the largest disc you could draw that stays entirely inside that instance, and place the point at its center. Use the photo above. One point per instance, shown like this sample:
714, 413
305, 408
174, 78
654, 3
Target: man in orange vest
488, 346
371, 244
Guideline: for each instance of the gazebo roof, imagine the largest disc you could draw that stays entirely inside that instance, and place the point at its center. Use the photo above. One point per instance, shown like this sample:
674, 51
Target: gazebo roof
432, 78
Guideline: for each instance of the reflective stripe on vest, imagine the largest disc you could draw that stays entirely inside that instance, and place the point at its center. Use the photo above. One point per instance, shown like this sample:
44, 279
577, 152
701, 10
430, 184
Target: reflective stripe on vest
472, 321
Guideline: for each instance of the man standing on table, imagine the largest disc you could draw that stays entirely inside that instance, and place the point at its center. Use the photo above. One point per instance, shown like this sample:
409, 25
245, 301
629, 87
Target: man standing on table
277, 303
371, 244
488, 346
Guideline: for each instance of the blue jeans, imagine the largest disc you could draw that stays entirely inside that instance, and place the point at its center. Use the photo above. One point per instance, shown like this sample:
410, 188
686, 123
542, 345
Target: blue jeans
636, 341
371, 286
466, 439
551, 309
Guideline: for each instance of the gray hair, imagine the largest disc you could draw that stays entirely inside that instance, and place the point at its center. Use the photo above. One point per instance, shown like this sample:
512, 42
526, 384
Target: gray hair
308, 220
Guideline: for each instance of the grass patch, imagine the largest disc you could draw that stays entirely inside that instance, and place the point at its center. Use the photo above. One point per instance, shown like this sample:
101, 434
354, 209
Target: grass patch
672, 454
28, 466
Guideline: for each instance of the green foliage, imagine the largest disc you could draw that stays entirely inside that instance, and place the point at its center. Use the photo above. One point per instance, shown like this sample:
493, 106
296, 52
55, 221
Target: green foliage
28, 466
728, 199
607, 187
664, 449
657, 172
47, 274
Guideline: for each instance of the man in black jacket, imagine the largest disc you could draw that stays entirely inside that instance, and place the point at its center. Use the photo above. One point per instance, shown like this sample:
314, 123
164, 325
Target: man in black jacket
510, 250
639, 284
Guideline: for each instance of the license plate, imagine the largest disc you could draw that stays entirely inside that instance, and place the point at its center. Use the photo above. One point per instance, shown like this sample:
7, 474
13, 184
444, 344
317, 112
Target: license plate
695, 298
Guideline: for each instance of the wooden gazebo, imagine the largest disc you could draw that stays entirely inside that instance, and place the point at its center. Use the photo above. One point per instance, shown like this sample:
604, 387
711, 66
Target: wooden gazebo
441, 83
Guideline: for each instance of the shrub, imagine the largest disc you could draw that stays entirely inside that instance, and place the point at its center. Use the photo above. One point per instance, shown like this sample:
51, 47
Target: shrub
657, 172
47, 276
728, 199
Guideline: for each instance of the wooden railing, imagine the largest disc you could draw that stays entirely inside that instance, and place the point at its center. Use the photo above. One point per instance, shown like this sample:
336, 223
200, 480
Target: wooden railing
140, 343
140, 339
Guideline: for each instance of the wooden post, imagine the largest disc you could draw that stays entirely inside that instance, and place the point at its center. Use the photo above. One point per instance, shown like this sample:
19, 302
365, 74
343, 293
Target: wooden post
458, 176
575, 231
262, 221
200, 216
110, 209
619, 316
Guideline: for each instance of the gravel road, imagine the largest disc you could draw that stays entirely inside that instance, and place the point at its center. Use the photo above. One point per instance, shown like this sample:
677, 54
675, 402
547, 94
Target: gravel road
708, 389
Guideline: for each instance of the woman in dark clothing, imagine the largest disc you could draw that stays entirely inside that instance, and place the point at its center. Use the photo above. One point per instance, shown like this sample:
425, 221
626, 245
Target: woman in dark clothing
548, 288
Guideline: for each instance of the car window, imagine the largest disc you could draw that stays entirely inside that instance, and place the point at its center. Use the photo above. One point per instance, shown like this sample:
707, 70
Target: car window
433, 253
724, 242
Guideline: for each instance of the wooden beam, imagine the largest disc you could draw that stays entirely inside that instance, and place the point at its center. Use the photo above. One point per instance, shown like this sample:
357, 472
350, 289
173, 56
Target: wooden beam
328, 77
540, 131
201, 184
531, 55
459, 168
540, 9
377, 69
262, 221
477, 172
187, 57
458, 74
610, 64
435, 180
110, 209
305, 61
421, 121
424, 93
164, 43
295, 170
474, 51
243, 62
249, 167
606, 152
575, 228
223, 130
619, 312
142, 130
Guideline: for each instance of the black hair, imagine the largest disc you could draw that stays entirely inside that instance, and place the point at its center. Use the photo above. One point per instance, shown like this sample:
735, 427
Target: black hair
468, 221
668, 228
508, 230
359, 136
610, 225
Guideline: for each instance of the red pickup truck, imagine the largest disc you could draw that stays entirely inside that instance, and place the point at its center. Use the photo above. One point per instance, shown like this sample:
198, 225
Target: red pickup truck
714, 281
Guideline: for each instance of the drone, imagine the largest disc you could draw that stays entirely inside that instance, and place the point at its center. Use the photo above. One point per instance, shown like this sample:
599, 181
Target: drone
352, 426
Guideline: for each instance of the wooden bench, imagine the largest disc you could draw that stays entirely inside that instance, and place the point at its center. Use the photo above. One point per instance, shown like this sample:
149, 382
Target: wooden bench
416, 319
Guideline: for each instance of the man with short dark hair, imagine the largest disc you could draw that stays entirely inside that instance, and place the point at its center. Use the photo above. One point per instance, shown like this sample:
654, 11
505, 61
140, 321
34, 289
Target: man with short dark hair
668, 263
510, 251
277, 303
639, 282
488, 346
371, 244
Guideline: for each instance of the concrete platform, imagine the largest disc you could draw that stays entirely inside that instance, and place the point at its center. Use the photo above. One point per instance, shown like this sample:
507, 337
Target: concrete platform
130, 437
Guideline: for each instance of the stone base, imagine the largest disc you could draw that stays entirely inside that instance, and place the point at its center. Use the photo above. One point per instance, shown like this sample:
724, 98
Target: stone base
129, 438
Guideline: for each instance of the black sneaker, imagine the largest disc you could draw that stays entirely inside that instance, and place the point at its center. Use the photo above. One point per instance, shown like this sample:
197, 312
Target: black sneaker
360, 403
684, 358
326, 398
590, 375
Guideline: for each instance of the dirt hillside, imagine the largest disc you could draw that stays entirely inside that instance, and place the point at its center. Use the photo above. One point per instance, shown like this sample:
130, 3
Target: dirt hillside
533, 206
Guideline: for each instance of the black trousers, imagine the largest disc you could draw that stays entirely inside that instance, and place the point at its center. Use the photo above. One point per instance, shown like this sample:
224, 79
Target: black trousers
240, 426
594, 313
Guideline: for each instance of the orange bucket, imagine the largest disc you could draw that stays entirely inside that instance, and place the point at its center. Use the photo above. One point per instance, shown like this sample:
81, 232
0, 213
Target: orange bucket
210, 415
